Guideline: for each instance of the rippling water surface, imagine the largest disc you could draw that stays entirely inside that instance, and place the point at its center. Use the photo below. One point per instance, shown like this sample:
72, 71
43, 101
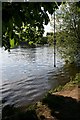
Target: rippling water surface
27, 74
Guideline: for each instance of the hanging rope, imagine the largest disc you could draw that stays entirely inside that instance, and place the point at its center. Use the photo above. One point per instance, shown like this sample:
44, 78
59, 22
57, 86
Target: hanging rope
54, 43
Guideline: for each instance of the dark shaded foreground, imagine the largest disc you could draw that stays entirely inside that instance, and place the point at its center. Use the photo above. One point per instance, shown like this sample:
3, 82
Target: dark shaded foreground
11, 113
62, 108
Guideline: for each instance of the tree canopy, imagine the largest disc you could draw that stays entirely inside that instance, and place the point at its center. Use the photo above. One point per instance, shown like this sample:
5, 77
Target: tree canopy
25, 19
68, 30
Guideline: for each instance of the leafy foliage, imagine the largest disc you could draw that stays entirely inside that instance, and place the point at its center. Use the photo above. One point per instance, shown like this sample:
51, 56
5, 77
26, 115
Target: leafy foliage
32, 14
50, 38
68, 27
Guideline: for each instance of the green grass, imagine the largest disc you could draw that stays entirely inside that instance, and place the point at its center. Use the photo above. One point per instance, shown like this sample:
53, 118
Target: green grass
68, 85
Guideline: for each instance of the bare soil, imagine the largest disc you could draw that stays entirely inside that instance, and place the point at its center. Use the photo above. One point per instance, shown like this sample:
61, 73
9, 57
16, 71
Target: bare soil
63, 105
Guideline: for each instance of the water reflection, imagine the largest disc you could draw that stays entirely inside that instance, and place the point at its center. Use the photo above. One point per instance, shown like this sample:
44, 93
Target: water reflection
30, 54
28, 73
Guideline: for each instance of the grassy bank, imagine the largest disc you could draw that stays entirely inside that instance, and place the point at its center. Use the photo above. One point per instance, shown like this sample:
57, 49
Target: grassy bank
68, 86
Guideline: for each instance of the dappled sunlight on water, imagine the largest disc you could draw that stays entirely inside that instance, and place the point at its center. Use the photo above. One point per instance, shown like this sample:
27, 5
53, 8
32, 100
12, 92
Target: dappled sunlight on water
27, 74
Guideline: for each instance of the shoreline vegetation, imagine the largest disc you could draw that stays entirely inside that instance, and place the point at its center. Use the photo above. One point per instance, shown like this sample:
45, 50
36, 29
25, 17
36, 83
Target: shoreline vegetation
61, 103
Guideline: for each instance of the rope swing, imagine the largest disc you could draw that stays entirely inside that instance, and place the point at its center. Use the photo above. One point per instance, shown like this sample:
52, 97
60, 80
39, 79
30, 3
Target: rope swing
54, 43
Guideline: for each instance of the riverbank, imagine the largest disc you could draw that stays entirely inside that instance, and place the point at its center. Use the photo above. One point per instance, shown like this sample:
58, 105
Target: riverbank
62, 103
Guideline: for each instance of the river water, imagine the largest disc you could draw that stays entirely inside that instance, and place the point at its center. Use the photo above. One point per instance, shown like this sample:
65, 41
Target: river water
27, 74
